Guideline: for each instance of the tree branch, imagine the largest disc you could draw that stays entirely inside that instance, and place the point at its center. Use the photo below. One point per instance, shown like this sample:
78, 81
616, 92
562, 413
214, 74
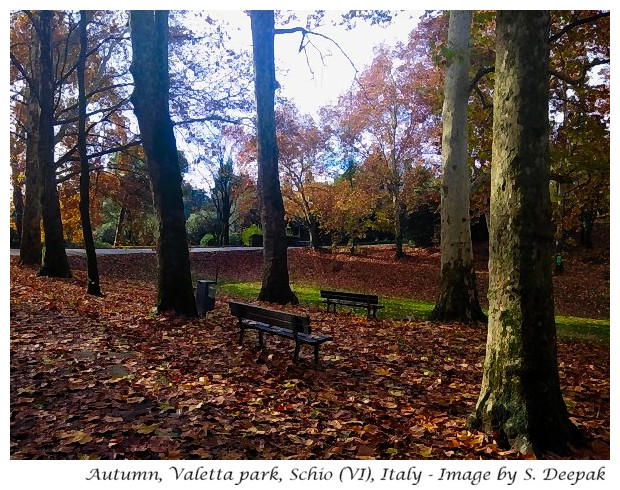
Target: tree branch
578, 22
584, 72
305, 32
481, 73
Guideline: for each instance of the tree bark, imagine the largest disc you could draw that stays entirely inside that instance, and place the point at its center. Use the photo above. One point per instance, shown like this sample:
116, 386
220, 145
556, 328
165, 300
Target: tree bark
92, 281
458, 298
31, 248
275, 286
55, 262
520, 398
149, 39
18, 204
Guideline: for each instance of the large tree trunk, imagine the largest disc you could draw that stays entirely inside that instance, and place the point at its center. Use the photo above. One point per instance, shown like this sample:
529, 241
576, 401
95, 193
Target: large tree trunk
275, 287
458, 299
93, 287
520, 397
149, 39
55, 262
31, 248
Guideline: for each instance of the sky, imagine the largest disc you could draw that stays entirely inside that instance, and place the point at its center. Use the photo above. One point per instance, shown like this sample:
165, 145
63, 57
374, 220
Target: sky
314, 82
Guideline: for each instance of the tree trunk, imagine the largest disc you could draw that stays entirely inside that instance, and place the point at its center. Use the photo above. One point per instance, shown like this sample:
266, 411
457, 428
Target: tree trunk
55, 262
149, 39
275, 286
398, 231
120, 225
18, 204
458, 298
31, 249
93, 286
313, 231
587, 216
520, 398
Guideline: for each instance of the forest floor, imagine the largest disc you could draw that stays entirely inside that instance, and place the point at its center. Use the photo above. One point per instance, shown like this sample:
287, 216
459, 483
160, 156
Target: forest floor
105, 378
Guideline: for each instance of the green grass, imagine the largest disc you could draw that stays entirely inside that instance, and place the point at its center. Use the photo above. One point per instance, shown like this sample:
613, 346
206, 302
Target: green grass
569, 327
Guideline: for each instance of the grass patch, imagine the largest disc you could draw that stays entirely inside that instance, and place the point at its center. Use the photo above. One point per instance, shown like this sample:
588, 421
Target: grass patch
569, 327
583, 329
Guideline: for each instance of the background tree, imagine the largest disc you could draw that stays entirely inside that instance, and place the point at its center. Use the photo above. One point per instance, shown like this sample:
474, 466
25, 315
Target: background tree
275, 286
303, 150
458, 298
104, 101
55, 262
149, 37
93, 286
224, 193
520, 398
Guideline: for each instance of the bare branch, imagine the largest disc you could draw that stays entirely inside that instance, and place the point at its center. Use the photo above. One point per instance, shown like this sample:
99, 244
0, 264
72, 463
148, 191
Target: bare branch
306, 32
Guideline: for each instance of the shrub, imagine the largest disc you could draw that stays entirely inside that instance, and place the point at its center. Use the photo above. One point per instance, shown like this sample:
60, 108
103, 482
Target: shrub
235, 239
248, 232
106, 233
207, 240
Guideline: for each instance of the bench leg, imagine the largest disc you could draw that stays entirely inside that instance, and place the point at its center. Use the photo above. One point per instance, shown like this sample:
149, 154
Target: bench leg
316, 355
261, 340
241, 336
296, 354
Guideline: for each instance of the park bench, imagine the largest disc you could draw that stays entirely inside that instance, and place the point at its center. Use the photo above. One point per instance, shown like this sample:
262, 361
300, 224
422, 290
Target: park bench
368, 301
284, 324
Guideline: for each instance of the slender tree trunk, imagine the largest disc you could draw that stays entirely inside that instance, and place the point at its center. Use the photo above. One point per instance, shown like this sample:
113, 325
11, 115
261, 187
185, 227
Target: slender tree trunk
520, 397
120, 225
398, 229
587, 215
18, 204
226, 229
31, 248
93, 286
313, 231
275, 286
149, 67
55, 262
458, 298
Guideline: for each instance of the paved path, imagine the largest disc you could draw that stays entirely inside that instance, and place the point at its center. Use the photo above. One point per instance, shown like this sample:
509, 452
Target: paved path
121, 251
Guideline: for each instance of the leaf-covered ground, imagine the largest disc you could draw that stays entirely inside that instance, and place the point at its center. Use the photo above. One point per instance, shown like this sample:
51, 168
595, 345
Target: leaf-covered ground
103, 378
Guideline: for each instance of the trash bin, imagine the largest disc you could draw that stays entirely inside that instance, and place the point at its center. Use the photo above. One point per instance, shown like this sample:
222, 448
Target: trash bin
205, 296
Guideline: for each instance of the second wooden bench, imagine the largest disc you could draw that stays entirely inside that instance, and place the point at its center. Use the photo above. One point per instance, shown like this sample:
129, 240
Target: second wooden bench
368, 301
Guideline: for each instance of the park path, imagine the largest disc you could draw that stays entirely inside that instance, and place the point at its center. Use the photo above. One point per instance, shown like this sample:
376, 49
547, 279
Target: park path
124, 251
